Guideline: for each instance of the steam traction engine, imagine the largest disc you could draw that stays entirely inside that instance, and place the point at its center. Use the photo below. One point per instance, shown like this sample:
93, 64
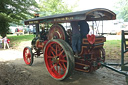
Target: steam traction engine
55, 43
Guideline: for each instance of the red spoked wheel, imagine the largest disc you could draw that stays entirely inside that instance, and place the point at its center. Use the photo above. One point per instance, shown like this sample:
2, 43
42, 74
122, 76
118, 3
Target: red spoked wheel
59, 59
57, 31
28, 56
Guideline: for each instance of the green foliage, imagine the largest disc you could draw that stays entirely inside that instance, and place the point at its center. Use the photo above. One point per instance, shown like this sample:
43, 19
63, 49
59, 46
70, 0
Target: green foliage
4, 24
15, 11
18, 9
50, 7
122, 9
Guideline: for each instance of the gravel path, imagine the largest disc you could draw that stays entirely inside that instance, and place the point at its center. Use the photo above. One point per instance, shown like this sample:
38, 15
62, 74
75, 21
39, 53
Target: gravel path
9, 54
13, 54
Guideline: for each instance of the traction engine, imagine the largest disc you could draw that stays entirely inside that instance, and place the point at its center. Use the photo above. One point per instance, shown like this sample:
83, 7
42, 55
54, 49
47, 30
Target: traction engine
54, 42
57, 46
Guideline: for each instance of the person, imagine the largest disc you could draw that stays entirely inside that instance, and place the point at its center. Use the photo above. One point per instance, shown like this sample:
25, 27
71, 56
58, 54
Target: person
43, 35
84, 28
76, 38
5, 42
1, 42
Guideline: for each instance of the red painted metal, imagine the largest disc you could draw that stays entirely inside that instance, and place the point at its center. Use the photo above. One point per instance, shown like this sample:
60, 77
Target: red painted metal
91, 38
90, 60
40, 44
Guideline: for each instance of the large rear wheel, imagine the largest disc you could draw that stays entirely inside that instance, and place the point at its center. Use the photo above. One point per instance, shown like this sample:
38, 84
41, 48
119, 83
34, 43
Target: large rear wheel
59, 59
28, 56
57, 31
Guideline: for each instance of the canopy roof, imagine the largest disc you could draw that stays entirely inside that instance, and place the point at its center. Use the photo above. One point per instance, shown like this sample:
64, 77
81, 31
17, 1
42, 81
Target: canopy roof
88, 15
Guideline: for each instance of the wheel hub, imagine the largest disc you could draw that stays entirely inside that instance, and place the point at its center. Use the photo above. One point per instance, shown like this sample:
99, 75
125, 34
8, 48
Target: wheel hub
55, 60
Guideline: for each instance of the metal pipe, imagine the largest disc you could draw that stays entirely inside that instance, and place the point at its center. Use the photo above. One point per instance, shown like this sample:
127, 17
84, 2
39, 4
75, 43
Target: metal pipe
37, 30
122, 49
116, 70
116, 64
102, 27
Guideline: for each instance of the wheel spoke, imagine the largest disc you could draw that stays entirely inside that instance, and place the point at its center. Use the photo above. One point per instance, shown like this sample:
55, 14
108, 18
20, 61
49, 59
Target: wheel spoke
60, 70
57, 68
61, 52
50, 56
53, 54
64, 66
53, 49
28, 59
28, 54
64, 56
50, 62
27, 51
61, 67
53, 66
56, 50
64, 61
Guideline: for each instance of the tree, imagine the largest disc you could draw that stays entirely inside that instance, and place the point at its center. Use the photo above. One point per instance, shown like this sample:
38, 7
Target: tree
122, 9
50, 7
13, 11
4, 23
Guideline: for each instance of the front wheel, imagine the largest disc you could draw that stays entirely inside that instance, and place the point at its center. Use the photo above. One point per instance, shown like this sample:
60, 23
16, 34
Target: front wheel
59, 59
28, 56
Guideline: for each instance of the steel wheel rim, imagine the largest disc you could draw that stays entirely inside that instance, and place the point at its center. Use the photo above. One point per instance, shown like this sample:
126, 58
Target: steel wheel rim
55, 60
27, 56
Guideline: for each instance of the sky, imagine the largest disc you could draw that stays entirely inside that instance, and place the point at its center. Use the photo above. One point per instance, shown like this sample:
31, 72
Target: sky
90, 4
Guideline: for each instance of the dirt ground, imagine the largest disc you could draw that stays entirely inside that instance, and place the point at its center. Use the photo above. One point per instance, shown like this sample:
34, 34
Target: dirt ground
13, 71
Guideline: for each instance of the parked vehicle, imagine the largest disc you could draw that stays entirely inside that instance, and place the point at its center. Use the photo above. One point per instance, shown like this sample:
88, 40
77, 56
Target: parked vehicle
12, 29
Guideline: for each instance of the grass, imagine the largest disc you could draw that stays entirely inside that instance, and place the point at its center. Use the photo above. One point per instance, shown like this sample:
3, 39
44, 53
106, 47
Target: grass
113, 49
114, 43
16, 40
